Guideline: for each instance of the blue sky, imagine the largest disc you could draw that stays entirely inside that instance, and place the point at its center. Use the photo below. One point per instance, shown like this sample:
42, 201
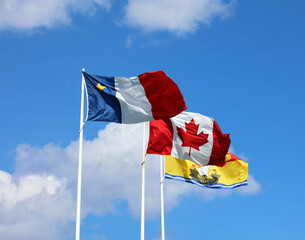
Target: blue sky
240, 62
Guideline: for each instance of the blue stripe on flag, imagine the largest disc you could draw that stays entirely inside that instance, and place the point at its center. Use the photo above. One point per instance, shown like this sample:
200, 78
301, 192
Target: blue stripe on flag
218, 185
102, 101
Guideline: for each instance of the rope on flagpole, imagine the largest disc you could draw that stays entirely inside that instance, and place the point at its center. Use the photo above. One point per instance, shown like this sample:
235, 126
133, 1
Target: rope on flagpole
162, 180
82, 127
80, 159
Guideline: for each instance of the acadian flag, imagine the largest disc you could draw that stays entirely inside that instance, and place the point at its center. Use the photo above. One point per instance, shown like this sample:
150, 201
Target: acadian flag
233, 174
190, 136
146, 97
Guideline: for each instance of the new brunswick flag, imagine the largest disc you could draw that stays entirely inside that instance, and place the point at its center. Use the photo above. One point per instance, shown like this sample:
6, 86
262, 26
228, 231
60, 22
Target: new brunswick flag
233, 174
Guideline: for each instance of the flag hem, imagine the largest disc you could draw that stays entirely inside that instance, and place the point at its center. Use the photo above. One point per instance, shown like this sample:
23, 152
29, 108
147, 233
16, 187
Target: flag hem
86, 97
218, 185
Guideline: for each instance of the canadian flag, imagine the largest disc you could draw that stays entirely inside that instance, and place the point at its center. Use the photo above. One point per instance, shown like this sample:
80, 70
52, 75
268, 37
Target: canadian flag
189, 136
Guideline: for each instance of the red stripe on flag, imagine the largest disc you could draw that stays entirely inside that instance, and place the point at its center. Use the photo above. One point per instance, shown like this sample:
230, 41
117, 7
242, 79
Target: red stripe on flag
163, 94
160, 137
221, 143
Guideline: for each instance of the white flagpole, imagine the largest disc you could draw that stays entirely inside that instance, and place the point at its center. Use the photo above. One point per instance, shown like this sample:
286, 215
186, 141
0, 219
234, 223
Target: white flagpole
80, 158
143, 187
162, 201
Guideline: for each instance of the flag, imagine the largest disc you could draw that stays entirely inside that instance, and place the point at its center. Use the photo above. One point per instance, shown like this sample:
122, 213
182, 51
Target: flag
189, 136
146, 97
233, 174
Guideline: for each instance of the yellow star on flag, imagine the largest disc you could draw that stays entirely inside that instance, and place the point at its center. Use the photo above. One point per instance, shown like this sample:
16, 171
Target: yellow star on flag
100, 87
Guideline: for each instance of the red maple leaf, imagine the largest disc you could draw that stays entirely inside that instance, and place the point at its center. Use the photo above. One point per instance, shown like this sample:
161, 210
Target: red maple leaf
190, 138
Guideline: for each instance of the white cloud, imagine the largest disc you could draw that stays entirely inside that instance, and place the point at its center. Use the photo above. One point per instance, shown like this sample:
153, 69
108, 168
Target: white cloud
42, 190
29, 14
33, 202
178, 16
129, 40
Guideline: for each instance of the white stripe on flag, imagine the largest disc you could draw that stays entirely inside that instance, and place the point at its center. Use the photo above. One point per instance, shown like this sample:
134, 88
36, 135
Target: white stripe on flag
135, 106
205, 125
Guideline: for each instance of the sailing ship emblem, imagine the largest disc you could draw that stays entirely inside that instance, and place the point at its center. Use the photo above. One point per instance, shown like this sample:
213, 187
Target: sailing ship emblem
206, 175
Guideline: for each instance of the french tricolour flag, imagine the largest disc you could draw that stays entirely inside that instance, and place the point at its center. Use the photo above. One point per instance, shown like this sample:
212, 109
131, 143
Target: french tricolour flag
146, 97
191, 136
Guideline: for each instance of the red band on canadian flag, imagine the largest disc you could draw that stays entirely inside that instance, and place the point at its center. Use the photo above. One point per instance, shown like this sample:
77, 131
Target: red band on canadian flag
221, 143
160, 137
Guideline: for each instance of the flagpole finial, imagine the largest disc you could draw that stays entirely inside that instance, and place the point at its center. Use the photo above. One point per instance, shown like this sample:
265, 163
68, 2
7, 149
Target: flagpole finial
83, 69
